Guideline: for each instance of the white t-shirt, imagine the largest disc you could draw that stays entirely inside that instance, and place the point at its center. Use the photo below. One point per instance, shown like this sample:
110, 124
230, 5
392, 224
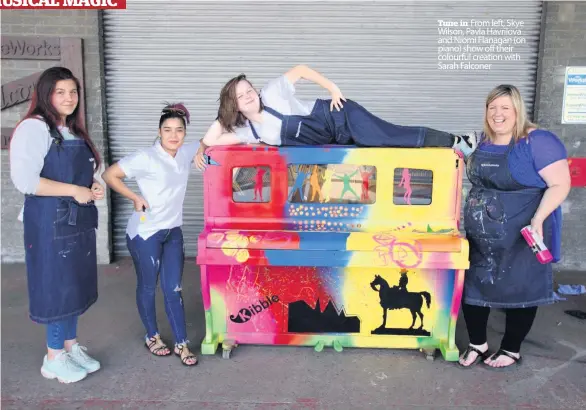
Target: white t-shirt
279, 94
29, 147
30, 144
162, 181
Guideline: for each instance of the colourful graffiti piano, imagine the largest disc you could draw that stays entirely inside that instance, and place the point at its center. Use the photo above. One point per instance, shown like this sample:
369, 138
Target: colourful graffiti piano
332, 246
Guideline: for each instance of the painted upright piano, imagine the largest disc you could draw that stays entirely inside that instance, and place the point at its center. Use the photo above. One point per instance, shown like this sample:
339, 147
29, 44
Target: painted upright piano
332, 246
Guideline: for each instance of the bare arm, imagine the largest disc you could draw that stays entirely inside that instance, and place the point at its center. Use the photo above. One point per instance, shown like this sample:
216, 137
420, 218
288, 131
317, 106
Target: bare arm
216, 135
113, 176
48, 187
557, 178
303, 71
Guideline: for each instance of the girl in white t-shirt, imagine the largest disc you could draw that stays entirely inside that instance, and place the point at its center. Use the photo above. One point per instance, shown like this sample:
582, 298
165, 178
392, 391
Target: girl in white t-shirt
153, 235
277, 117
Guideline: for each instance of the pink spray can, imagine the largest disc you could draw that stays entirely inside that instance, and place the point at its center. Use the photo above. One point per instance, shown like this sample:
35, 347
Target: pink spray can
536, 243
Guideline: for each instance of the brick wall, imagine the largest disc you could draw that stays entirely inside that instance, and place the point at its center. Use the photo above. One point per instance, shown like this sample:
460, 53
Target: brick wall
563, 45
55, 23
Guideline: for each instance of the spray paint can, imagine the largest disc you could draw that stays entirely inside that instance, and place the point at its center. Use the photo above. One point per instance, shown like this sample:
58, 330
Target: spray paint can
536, 243
143, 215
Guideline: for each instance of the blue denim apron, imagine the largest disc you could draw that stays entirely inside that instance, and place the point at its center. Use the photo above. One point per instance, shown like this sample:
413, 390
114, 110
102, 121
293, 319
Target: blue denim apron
503, 272
352, 125
60, 238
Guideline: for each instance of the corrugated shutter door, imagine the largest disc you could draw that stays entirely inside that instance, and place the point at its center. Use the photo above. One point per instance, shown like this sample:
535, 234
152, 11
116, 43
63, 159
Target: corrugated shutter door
383, 55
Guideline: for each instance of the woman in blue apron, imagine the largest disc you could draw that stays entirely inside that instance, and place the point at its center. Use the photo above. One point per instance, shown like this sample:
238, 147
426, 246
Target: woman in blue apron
277, 117
153, 234
52, 162
520, 177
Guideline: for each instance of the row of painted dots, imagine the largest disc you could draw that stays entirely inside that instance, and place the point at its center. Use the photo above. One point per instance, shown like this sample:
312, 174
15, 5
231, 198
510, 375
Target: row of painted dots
328, 224
331, 211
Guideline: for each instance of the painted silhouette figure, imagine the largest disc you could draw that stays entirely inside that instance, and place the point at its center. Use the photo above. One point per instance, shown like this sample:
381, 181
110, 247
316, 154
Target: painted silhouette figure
327, 185
406, 183
258, 183
346, 179
404, 280
299, 180
314, 184
365, 184
395, 298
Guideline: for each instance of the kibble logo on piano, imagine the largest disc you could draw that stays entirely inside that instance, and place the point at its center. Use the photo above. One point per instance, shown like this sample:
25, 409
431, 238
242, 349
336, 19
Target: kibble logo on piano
63, 4
245, 314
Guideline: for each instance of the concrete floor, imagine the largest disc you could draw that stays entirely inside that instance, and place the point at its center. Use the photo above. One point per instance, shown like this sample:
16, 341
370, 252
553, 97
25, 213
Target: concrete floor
267, 377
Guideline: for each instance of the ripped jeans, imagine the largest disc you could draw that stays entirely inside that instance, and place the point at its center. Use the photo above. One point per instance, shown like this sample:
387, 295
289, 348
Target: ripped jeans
160, 253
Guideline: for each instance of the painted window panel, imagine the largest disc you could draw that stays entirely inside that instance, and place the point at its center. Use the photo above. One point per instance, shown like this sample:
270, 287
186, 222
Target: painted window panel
332, 183
251, 184
412, 186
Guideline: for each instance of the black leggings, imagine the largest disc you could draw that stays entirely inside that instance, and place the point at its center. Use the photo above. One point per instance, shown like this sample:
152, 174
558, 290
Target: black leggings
518, 324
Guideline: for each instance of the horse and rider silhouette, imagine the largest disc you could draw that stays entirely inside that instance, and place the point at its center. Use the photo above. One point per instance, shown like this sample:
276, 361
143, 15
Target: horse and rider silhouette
397, 297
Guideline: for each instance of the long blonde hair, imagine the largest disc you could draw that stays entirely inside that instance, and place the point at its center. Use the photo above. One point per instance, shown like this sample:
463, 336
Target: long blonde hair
523, 125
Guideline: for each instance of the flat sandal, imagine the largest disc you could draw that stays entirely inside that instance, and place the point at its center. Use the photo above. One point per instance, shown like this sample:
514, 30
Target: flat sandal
152, 342
517, 361
481, 356
186, 358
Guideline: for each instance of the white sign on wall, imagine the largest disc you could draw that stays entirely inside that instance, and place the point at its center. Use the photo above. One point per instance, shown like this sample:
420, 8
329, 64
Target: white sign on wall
574, 107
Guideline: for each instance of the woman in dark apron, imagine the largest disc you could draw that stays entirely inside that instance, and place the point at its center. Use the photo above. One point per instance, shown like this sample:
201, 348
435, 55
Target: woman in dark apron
284, 120
52, 162
519, 177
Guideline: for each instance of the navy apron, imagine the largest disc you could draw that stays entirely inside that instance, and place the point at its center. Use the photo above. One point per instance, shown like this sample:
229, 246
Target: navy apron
503, 272
60, 238
352, 125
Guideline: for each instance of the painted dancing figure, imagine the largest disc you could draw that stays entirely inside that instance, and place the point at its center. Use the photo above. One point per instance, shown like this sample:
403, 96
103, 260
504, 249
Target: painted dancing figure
314, 183
406, 183
258, 183
302, 173
346, 178
327, 185
364, 196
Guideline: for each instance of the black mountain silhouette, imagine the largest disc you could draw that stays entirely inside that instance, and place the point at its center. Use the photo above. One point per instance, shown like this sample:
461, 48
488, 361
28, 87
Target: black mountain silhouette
304, 319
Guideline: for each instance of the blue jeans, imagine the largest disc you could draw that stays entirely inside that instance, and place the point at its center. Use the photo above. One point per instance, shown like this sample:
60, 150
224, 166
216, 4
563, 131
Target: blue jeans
162, 253
353, 125
59, 332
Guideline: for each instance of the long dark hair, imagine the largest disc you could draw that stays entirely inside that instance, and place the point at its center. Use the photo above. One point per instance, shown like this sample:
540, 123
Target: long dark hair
228, 114
41, 106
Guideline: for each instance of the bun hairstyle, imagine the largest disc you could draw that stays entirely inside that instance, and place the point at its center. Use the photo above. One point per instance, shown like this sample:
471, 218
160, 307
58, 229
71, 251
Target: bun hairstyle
176, 110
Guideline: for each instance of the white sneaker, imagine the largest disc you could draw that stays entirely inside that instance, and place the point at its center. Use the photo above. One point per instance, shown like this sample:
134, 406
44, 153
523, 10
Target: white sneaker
467, 143
78, 353
63, 368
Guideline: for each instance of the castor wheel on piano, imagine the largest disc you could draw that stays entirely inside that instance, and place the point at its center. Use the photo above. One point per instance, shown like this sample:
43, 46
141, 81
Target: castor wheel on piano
429, 354
227, 347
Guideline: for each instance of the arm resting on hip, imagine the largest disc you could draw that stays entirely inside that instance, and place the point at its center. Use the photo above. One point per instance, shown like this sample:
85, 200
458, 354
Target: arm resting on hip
113, 177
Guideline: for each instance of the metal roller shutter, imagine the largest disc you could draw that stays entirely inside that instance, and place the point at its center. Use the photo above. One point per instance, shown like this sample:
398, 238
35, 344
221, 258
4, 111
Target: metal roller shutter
382, 54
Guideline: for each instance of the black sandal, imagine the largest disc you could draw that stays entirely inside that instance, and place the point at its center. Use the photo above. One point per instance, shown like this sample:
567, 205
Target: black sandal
517, 361
155, 350
480, 357
187, 357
